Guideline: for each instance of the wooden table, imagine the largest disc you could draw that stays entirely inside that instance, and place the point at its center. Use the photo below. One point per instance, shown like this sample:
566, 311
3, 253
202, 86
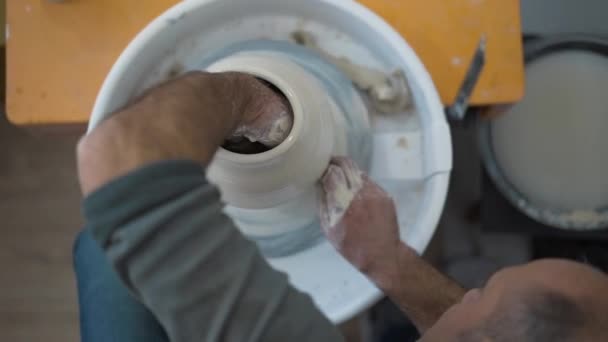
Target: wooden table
58, 54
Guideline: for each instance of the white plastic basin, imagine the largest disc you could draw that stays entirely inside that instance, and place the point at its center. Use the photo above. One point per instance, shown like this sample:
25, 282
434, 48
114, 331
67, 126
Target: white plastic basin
411, 154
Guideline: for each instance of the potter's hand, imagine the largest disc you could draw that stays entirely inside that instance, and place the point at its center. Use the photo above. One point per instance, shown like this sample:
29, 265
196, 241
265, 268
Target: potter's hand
268, 119
359, 219
185, 118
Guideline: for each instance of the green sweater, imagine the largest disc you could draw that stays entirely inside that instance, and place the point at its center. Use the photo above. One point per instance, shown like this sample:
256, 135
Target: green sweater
164, 231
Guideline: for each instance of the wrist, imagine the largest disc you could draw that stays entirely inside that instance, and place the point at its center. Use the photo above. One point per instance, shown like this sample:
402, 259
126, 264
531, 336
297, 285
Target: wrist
391, 273
421, 291
98, 157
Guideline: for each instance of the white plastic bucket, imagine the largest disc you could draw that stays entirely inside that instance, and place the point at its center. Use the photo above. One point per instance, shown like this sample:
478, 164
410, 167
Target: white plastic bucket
416, 173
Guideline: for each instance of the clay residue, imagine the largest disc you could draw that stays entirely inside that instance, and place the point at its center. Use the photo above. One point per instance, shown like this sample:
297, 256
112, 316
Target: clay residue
343, 194
280, 129
402, 143
389, 93
173, 21
176, 70
587, 218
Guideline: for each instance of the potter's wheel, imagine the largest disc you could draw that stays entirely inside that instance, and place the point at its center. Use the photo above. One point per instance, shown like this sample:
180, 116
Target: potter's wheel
411, 151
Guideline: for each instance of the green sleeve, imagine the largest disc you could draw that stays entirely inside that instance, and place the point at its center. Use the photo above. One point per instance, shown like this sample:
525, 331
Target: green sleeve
164, 231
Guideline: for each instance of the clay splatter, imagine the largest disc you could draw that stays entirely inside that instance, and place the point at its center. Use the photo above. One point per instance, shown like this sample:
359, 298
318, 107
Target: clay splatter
173, 21
389, 93
175, 71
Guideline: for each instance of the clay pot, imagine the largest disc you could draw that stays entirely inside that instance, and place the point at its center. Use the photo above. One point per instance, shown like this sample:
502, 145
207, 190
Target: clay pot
276, 192
292, 169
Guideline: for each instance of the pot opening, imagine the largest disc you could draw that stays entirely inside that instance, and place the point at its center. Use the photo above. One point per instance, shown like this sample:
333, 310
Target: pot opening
244, 145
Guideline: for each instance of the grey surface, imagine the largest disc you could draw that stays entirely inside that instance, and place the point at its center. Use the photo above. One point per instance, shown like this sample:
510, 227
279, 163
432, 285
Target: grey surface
39, 207
565, 16
469, 254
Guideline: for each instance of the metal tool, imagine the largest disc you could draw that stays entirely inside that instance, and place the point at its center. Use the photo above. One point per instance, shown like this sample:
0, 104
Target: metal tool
458, 110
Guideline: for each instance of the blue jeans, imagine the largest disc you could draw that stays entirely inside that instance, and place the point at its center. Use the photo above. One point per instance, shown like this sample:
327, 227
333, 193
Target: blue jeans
108, 312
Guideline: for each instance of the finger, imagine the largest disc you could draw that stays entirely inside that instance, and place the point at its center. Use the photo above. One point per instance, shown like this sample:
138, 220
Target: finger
333, 179
344, 162
324, 213
336, 159
269, 117
352, 173
331, 182
334, 186
339, 196
275, 128
348, 165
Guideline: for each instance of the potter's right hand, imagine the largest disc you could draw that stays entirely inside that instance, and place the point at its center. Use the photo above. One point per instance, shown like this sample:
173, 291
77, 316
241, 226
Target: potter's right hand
185, 118
360, 220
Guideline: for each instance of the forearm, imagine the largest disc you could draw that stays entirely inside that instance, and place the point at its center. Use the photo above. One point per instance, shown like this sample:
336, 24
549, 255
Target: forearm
420, 291
367, 235
157, 128
186, 261
161, 224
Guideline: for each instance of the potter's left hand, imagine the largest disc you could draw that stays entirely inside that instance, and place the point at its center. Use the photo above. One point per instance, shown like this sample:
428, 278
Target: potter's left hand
268, 119
359, 219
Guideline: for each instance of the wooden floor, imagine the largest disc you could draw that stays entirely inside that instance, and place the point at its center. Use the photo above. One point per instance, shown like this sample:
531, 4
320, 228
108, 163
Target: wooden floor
39, 217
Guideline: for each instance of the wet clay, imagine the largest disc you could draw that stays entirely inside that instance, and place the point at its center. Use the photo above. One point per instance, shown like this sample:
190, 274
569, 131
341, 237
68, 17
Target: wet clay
389, 93
273, 135
344, 192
